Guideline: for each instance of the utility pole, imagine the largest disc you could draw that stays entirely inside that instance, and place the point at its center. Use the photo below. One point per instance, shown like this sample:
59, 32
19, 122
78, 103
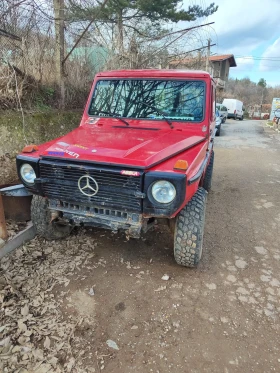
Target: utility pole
58, 6
120, 34
208, 55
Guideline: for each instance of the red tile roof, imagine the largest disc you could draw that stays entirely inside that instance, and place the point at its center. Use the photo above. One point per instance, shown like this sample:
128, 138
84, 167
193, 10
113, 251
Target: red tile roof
222, 57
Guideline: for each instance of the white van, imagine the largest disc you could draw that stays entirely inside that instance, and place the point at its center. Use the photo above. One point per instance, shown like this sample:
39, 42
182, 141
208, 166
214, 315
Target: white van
235, 108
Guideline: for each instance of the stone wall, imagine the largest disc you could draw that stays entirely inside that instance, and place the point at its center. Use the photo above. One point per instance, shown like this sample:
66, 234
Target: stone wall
38, 128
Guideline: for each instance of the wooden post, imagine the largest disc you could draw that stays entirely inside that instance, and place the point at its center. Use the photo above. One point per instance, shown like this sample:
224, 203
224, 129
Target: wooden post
58, 6
3, 228
208, 55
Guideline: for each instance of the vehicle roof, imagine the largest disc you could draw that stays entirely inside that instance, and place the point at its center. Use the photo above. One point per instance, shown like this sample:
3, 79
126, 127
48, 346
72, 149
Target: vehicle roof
151, 73
231, 99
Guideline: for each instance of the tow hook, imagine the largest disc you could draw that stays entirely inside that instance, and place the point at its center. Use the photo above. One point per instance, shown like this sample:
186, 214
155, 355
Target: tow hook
56, 218
54, 215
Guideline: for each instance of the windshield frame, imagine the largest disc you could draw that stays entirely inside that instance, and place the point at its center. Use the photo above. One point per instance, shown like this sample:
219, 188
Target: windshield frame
150, 119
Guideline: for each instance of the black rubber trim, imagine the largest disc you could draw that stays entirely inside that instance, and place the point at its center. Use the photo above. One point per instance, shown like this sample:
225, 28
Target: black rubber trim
199, 173
138, 128
34, 162
153, 208
49, 158
163, 78
27, 159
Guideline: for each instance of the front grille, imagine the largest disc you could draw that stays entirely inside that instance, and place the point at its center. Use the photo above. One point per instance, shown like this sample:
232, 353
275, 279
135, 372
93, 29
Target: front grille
60, 181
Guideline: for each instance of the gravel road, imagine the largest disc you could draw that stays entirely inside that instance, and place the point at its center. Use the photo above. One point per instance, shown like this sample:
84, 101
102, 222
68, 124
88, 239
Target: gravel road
97, 288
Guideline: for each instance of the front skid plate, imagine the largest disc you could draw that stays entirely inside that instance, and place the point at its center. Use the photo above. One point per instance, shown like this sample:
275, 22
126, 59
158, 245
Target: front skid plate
106, 218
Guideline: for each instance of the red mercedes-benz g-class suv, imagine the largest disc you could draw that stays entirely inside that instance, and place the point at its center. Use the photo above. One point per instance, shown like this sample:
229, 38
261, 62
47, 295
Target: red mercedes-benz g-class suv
143, 151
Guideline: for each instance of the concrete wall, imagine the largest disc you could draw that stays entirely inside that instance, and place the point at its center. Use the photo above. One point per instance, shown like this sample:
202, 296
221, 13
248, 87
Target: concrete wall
39, 128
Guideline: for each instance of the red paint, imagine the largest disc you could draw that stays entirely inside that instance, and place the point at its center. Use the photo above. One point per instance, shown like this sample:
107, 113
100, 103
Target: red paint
99, 140
124, 146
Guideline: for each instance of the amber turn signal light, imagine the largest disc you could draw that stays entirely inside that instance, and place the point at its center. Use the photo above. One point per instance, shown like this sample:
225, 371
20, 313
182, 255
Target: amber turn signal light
30, 148
181, 165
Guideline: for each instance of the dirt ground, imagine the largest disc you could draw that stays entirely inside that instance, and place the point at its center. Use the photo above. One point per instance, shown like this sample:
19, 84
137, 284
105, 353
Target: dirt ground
65, 303
8, 173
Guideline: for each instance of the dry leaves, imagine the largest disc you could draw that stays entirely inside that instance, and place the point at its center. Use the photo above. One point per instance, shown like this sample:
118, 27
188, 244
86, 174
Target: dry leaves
36, 336
14, 228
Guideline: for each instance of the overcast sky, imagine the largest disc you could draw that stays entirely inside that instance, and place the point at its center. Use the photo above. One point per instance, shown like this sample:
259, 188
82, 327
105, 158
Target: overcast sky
249, 29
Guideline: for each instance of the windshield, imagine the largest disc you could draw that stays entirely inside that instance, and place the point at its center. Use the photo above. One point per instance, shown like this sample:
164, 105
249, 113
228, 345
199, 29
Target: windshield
150, 99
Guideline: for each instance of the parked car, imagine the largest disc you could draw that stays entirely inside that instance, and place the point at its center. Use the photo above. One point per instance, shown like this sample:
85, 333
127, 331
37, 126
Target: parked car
223, 112
277, 115
218, 123
142, 152
235, 108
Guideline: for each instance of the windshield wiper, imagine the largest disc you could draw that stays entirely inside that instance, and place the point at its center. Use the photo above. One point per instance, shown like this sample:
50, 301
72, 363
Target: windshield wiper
112, 114
157, 110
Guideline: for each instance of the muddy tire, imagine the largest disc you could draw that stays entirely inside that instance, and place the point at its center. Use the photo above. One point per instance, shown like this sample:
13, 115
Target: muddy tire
207, 182
41, 218
218, 132
189, 227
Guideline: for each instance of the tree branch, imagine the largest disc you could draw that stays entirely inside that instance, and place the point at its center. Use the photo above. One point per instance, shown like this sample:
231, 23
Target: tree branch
11, 7
83, 33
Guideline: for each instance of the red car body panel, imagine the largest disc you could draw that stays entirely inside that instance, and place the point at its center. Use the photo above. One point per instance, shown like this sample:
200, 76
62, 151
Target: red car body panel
194, 156
147, 144
121, 146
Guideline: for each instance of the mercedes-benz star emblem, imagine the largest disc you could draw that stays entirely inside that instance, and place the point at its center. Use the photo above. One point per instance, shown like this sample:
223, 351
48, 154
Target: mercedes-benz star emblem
87, 185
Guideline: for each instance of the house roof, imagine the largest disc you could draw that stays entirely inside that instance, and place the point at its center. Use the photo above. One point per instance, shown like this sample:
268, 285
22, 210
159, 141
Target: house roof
222, 57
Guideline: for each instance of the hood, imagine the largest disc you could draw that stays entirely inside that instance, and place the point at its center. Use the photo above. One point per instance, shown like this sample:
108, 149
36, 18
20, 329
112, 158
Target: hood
136, 147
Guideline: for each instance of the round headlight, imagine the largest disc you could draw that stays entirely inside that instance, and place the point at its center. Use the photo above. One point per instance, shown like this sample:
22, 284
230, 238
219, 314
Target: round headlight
163, 191
27, 173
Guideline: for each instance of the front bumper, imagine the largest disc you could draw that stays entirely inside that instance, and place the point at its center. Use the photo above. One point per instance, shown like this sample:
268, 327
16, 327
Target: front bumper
58, 179
75, 214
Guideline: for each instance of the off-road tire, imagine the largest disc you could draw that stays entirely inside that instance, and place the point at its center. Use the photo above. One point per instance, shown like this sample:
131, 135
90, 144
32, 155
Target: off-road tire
41, 218
189, 227
207, 181
218, 132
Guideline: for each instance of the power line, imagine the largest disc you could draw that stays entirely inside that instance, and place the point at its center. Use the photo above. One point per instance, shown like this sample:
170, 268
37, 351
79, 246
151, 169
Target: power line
259, 58
197, 49
185, 30
240, 55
